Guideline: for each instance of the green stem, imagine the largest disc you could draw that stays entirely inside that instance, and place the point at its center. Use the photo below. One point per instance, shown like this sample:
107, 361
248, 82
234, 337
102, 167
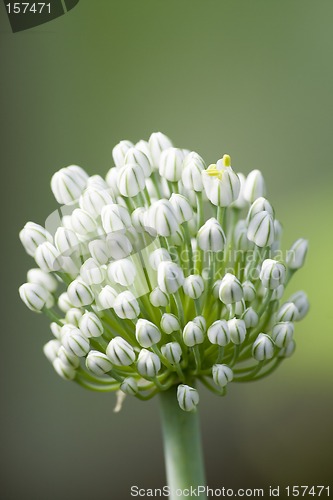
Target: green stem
182, 446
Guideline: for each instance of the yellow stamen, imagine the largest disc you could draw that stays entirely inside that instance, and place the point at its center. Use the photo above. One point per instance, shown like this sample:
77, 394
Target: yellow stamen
213, 171
226, 160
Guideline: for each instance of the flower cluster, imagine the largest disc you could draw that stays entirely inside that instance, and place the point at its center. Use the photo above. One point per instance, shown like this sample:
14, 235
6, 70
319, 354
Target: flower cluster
163, 273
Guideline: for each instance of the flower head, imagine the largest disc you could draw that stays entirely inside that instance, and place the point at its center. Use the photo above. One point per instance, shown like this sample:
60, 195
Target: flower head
163, 273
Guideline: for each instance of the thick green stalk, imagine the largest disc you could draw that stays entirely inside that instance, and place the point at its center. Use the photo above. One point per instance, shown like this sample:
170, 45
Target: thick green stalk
182, 446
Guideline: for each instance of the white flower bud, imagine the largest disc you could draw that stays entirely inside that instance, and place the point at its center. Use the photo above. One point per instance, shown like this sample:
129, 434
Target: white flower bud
241, 240
51, 349
238, 308
92, 273
144, 147
261, 229
254, 186
98, 363
188, 398
240, 202
192, 334
64, 370
288, 312
48, 257
221, 183
120, 352
169, 323
250, 317
263, 347
35, 296
126, 306
131, 180
64, 302
83, 223
231, 290
129, 386
148, 364
192, 172
74, 341
171, 163
201, 322
170, 277
97, 182
222, 375
297, 254
119, 246
66, 240
249, 291
272, 274
32, 235
119, 152
300, 300
158, 256
90, 325
260, 205
56, 330
42, 278
68, 358
237, 330
122, 271
138, 219
80, 294
172, 352
115, 218
282, 333
138, 157
182, 208
278, 292
147, 334
211, 237
99, 251
162, 217
158, 142
216, 288
73, 316
93, 199
287, 351
218, 333
107, 296
158, 298
111, 179
194, 286
68, 183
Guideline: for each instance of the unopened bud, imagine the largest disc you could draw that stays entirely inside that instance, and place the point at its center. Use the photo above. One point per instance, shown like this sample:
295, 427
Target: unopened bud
119, 152
222, 375
170, 323
261, 229
120, 352
211, 237
158, 142
272, 274
63, 369
139, 157
287, 312
194, 286
250, 317
193, 334
249, 291
129, 386
231, 290
254, 186
158, 298
51, 349
98, 363
188, 397
73, 316
35, 296
122, 271
300, 300
126, 306
237, 329
80, 294
192, 172
115, 218
92, 273
147, 334
171, 163
46, 280
282, 333
172, 352
74, 341
297, 254
32, 235
131, 180
170, 277
90, 325
218, 333
263, 347
148, 364
66, 240
182, 208
68, 183
48, 257
107, 296
162, 218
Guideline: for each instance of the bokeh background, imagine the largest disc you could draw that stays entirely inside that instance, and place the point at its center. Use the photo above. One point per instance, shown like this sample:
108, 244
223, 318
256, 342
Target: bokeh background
251, 78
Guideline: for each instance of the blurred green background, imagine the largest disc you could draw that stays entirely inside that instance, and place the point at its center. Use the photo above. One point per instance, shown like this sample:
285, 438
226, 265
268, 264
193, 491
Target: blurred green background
251, 78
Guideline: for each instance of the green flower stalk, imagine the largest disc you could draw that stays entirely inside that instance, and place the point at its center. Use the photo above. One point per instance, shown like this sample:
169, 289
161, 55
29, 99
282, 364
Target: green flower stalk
163, 277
